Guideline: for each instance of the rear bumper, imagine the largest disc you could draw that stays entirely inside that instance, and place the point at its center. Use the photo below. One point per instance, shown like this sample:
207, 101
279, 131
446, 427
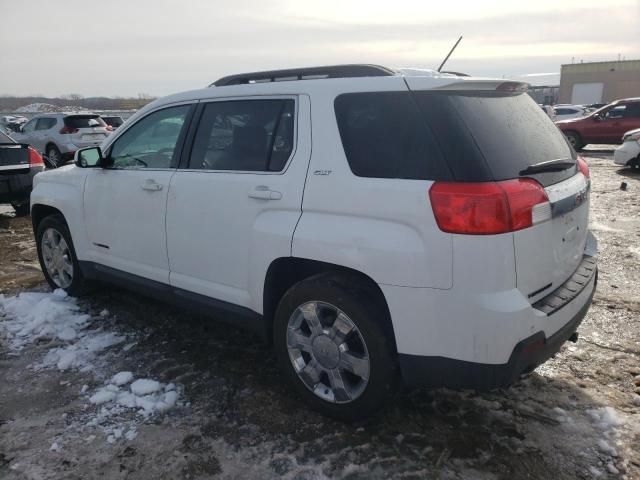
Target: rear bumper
17, 187
529, 353
483, 340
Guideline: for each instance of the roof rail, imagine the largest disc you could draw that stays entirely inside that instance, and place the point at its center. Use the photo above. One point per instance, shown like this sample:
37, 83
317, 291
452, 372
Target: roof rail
310, 73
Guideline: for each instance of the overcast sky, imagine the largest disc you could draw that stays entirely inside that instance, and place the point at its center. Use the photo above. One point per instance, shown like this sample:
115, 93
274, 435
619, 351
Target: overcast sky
126, 47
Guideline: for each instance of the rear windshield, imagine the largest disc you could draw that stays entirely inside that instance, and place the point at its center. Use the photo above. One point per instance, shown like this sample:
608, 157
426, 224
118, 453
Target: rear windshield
84, 121
466, 136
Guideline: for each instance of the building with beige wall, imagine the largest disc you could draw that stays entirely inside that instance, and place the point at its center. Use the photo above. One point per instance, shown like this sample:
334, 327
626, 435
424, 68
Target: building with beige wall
599, 82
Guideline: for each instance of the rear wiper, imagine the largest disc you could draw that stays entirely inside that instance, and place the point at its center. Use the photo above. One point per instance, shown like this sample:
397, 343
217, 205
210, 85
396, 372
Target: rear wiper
549, 166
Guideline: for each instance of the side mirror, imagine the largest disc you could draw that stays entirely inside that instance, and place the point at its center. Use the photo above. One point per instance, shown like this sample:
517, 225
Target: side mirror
90, 157
597, 117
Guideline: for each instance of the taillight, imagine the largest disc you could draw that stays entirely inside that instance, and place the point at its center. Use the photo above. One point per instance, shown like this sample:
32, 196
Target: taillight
486, 208
67, 130
583, 167
35, 160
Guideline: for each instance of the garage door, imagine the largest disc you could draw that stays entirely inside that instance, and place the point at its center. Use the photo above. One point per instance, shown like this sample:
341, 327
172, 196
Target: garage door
586, 93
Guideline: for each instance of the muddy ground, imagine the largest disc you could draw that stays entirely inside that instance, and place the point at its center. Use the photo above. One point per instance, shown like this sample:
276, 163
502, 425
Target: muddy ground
237, 419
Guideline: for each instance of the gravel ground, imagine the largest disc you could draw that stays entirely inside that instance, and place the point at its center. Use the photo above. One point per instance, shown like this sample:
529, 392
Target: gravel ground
577, 416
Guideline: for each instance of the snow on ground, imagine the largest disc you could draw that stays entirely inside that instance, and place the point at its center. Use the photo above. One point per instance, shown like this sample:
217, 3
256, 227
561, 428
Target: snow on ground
78, 342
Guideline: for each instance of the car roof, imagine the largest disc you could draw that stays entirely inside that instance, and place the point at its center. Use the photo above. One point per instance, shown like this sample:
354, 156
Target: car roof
335, 79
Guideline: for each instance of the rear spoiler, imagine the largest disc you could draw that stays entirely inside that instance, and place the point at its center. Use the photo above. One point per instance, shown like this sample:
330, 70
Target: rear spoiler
488, 84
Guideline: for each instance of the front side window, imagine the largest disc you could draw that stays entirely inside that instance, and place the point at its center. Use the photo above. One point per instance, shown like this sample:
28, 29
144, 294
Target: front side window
244, 135
150, 142
616, 112
29, 126
45, 123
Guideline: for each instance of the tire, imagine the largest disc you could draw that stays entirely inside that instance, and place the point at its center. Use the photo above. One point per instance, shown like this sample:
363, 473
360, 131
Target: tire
54, 157
22, 209
575, 140
354, 392
61, 271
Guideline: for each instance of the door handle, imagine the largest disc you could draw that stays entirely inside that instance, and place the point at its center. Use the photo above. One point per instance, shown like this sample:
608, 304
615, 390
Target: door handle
151, 186
262, 192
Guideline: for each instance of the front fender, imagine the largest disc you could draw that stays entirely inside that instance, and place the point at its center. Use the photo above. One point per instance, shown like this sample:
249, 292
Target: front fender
63, 190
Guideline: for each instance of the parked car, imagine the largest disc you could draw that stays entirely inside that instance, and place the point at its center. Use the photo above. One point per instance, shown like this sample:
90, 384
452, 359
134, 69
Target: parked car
114, 121
19, 163
430, 228
604, 126
12, 123
548, 109
628, 154
566, 112
59, 135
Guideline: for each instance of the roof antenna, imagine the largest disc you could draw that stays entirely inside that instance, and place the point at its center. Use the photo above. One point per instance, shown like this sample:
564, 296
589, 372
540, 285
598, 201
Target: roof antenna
449, 54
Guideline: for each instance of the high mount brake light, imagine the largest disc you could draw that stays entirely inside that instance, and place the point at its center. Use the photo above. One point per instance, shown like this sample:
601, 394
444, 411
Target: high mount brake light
583, 167
35, 159
485, 208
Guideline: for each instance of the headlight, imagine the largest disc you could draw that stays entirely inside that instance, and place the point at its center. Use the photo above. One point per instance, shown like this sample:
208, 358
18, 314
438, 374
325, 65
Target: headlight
631, 137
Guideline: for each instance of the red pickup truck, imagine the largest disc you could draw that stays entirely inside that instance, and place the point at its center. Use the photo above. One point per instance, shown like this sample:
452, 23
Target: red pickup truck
606, 125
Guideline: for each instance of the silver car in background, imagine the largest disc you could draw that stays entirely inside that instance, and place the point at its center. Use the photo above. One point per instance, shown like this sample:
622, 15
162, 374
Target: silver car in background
59, 135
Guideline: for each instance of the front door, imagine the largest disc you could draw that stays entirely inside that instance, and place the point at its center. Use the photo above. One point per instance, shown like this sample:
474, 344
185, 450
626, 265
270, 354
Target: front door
125, 204
234, 208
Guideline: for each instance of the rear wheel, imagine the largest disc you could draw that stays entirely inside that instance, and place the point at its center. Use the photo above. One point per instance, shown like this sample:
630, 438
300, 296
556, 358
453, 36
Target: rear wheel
57, 256
333, 347
54, 157
575, 140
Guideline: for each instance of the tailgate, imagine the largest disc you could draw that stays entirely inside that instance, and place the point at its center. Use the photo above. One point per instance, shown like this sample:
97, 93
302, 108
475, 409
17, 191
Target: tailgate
14, 158
548, 253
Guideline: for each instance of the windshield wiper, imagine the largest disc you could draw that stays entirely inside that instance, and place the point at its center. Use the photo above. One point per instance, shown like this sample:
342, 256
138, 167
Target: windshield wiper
548, 166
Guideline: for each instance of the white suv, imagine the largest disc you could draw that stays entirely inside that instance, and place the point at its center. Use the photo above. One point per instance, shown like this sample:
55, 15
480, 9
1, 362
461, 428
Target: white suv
374, 225
59, 135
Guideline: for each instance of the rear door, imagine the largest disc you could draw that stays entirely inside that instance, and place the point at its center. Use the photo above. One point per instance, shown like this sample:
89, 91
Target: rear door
234, 205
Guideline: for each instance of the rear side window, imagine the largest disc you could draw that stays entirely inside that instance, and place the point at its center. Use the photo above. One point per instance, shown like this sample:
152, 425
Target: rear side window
113, 121
632, 110
384, 136
84, 121
244, 135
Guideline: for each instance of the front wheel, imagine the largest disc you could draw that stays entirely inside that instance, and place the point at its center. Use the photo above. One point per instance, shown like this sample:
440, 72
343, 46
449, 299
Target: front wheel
335, 346
57, 256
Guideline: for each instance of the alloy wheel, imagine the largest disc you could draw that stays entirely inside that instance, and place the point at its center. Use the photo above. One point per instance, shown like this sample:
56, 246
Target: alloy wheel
328, 352
57, 258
